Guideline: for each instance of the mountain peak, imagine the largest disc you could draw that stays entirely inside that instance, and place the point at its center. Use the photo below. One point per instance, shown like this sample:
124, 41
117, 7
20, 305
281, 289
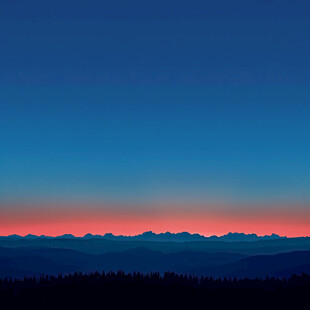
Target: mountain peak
66, 236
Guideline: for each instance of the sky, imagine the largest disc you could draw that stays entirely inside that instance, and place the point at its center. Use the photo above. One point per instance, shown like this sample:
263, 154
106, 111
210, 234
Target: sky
130, 116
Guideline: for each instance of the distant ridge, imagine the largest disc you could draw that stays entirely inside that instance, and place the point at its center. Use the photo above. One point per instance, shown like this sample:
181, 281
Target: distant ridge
185, 236
161, 237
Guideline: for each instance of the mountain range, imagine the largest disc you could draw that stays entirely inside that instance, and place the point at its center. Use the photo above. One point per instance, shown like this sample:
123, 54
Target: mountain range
161, 237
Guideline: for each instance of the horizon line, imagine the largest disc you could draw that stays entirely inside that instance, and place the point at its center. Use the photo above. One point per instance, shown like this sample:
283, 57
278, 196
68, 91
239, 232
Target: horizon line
150, 231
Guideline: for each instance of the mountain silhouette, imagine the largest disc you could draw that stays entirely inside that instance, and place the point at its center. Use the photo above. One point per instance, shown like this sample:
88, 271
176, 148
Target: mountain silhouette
161, 237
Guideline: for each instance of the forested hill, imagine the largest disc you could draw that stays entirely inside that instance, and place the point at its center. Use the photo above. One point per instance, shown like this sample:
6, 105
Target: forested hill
152, 291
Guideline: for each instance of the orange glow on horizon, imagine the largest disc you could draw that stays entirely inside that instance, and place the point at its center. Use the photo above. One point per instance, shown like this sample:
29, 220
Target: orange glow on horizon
55, 221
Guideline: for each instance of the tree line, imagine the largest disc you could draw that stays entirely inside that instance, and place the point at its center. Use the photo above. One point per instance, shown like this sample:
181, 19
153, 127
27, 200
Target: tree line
119, 289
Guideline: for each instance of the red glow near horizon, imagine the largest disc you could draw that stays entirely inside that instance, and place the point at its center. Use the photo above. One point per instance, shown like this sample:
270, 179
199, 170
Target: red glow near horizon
55, 221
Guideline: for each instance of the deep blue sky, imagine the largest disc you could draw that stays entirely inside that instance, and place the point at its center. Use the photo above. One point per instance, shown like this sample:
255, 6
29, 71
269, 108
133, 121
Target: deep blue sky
203, 101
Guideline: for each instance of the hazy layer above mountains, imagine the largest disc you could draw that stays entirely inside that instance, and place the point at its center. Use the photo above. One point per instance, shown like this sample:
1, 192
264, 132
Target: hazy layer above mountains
162, 237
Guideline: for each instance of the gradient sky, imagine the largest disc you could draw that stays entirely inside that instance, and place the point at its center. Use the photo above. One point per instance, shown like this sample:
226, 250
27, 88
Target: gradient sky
125, 116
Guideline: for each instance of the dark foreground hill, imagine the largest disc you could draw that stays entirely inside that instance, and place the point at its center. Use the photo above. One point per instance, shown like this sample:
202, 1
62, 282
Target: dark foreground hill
279, 265
19, 262
152, 291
